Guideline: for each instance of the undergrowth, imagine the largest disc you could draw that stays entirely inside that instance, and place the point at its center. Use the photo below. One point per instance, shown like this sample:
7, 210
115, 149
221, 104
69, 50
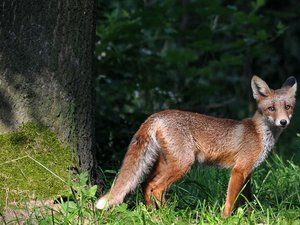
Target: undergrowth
197, 199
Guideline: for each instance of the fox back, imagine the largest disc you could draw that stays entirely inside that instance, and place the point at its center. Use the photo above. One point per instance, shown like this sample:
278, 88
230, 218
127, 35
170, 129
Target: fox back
168, 143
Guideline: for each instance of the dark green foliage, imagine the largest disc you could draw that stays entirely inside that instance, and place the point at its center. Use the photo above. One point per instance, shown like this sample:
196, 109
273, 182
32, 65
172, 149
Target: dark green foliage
193, 55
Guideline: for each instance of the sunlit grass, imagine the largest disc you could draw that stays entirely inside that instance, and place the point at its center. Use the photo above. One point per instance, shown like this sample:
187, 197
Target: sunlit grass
197, 199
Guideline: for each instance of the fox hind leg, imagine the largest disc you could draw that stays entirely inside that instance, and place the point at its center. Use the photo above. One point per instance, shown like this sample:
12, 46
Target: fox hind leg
149, 185
164, 174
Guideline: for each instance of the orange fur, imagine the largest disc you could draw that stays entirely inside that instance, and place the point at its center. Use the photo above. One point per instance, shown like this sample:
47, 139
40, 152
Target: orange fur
169, 142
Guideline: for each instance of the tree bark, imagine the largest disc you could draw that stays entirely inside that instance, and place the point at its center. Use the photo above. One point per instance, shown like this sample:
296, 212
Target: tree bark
46, 70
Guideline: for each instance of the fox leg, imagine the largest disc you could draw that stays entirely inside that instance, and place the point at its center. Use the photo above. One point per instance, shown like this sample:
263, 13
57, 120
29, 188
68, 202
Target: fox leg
154, 194
164, 174
150, 184
238, 178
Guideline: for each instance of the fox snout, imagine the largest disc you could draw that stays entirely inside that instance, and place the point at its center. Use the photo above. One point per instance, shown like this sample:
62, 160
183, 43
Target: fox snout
279, 122
282, 122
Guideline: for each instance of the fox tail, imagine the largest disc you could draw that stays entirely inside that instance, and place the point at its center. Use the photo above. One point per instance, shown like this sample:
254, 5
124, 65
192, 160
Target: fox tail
139, 159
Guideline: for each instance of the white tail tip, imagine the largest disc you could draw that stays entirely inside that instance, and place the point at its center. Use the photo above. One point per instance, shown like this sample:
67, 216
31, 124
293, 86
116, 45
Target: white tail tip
102, 203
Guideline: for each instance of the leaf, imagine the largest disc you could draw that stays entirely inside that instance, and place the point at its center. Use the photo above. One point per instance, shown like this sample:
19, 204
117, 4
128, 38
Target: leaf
262, 35
92, 191
110, 171
280, 27
260, 3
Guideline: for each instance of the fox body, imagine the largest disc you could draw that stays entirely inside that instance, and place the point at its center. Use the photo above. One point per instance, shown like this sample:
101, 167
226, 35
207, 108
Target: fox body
168, 143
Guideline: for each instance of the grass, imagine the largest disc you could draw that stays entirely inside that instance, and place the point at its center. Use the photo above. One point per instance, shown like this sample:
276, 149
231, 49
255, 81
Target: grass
197, 199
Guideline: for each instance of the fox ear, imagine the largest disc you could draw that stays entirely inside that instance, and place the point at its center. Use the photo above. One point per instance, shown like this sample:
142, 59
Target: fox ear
291, 84
259, 88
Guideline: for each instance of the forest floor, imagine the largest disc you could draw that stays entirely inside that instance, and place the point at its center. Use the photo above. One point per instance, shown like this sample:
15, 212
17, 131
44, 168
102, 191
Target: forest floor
196, 199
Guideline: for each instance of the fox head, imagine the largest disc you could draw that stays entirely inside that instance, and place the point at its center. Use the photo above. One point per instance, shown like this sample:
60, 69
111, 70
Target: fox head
275, 105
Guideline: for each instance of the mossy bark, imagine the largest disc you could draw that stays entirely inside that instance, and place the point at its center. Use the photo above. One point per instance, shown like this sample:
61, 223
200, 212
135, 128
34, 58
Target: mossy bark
46, 75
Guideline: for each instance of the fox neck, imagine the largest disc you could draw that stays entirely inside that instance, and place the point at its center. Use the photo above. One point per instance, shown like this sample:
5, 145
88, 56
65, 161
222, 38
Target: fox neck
269, 135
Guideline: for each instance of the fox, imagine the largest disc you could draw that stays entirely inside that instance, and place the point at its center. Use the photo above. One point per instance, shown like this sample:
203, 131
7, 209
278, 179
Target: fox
169, 142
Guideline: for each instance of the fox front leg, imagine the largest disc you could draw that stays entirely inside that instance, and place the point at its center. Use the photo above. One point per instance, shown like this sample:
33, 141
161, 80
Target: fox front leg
238, 178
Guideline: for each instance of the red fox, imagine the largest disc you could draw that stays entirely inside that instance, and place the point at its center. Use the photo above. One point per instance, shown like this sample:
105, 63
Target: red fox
169, 142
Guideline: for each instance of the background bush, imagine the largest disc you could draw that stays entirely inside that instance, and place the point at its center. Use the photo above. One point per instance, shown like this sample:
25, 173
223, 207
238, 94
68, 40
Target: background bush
191, 55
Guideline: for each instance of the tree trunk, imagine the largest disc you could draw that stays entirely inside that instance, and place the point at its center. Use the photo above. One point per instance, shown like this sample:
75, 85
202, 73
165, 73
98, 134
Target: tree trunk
46, 75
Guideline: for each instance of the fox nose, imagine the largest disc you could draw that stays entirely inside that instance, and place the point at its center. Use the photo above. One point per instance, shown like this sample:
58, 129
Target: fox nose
283, 122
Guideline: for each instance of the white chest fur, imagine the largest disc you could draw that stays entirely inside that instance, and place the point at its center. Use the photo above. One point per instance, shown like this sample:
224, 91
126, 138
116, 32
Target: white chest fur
269, 137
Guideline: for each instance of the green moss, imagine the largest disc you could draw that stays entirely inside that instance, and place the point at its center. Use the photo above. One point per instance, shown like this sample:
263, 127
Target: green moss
33, 163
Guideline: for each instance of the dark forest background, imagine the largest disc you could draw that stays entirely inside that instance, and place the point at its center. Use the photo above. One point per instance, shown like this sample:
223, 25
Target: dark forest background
190, 55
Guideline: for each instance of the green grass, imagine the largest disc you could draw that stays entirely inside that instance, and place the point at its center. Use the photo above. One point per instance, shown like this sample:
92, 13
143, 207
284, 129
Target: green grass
197, 199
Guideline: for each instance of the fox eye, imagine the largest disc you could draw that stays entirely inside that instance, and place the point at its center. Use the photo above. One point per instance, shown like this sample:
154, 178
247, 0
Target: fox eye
271, 108
287, 107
